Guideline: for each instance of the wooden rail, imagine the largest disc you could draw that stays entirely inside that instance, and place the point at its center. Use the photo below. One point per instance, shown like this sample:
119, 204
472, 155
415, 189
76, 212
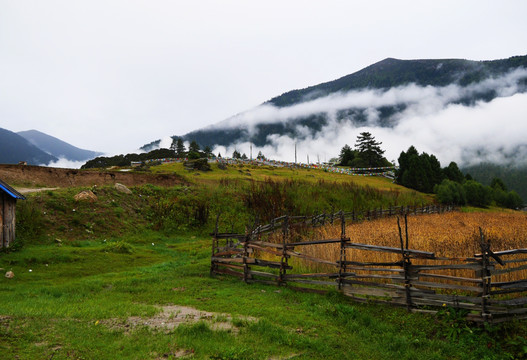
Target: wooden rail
417, 280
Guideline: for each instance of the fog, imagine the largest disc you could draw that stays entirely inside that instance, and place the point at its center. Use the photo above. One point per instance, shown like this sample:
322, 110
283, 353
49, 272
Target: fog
433, 121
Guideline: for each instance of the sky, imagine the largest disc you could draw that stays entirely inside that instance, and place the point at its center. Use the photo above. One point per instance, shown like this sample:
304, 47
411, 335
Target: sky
112, 76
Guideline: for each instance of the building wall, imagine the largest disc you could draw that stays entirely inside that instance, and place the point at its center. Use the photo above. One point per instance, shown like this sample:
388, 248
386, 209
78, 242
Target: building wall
7, 220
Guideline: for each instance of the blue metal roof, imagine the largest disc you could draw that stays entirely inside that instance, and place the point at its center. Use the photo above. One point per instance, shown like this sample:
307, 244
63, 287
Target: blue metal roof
10, 191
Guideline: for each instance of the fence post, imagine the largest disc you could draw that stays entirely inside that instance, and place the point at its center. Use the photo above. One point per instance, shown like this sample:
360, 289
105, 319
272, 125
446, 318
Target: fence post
342, 267
246, 268
213, 265
406, 265
485, 275
283, 260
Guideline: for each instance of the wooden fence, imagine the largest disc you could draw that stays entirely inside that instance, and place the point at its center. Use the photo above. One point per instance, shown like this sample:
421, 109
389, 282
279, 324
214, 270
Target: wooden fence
413, 279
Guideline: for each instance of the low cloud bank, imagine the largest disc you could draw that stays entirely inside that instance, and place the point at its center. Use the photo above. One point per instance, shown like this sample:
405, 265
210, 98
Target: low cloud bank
433, 121
66, 164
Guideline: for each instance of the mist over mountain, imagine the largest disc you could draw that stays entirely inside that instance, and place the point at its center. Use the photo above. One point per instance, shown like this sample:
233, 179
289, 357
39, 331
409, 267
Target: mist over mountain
460, 110
57, 147
14, 148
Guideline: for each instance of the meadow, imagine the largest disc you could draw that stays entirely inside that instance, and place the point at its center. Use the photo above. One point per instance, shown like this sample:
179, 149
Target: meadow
127, 277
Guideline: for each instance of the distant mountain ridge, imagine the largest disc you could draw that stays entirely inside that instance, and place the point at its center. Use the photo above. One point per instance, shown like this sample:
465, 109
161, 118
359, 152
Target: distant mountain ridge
37, 148
392, 72
14, 148
57, 147
384, 75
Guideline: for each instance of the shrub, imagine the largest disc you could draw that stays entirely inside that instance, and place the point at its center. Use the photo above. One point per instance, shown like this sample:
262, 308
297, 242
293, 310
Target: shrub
450, 192
477, 194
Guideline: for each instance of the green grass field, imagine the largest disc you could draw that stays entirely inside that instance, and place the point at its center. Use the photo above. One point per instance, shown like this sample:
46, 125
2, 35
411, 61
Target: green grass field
74, 301
97, 280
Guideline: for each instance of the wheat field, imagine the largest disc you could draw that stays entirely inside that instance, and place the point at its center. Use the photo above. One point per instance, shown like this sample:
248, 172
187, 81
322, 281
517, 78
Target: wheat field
451, 235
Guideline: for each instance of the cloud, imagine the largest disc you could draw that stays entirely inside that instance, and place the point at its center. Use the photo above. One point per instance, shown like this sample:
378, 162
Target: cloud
65, 163
165, 143
434, 121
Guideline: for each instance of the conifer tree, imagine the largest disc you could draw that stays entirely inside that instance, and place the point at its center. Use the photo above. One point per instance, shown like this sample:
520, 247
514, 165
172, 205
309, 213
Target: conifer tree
181, 151
369, 151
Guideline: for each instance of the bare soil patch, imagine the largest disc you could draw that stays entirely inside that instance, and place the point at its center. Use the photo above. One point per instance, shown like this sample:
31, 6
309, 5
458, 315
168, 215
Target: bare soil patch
171, 316
41, 176
32, 190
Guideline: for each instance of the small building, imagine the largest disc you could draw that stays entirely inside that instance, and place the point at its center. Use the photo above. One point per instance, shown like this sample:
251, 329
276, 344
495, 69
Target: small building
8, 198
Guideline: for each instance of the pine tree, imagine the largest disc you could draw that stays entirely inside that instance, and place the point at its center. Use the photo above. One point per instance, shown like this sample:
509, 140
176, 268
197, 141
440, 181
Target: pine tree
346, 156
181, 151
194, 150
208, 152
369, 151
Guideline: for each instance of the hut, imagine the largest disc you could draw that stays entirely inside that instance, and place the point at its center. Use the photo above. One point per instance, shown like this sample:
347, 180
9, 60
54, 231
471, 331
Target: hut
8, 198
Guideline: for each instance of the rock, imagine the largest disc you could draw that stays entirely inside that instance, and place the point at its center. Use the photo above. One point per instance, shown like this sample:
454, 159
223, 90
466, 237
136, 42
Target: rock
85, 195
9, 274
122, 188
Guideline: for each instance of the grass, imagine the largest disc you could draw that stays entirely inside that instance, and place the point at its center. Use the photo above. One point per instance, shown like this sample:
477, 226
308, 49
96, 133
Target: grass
246, 172
96, 265
66, 305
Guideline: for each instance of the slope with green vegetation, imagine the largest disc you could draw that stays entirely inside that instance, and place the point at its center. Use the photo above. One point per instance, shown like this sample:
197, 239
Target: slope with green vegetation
113, 278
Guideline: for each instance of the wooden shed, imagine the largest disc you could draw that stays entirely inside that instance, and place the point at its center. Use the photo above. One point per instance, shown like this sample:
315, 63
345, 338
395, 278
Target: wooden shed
8, 198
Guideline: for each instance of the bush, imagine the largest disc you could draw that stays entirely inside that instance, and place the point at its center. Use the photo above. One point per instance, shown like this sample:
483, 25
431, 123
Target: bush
450, 192
477, 194
514, 201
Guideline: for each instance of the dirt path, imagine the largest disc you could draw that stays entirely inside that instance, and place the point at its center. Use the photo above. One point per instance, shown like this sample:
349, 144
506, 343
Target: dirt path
32, 190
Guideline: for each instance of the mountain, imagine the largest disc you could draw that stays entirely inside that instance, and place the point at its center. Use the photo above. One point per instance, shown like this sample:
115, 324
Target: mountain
57, 147
14, 148
394, 87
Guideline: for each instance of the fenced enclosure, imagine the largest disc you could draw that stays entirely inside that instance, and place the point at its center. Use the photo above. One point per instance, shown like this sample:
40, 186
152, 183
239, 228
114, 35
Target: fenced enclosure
489, 286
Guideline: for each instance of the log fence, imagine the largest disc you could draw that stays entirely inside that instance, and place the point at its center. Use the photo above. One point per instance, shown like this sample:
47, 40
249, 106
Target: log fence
417, 280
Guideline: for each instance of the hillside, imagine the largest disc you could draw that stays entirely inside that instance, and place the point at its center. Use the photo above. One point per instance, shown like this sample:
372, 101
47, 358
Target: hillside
473, 81
14, 148
57, 147
390, 73
127, 275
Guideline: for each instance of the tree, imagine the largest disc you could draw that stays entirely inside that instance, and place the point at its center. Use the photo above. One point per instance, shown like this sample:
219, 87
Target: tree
260, 156
450, 192
236, 155
452, 172
368, 150
208, 152
497, 183
477, 194
194, 150
244, 157
181, 152
346, 156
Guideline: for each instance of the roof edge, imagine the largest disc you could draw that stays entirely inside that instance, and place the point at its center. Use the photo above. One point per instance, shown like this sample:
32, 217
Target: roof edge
11, 191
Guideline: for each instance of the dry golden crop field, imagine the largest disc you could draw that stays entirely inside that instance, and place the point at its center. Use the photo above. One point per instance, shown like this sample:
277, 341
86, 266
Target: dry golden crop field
453, 235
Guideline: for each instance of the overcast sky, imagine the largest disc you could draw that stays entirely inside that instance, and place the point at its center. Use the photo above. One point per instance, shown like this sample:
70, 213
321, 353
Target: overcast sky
114, 75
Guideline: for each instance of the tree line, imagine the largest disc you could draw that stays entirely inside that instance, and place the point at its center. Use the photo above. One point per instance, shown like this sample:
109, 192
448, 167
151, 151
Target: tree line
423, 172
